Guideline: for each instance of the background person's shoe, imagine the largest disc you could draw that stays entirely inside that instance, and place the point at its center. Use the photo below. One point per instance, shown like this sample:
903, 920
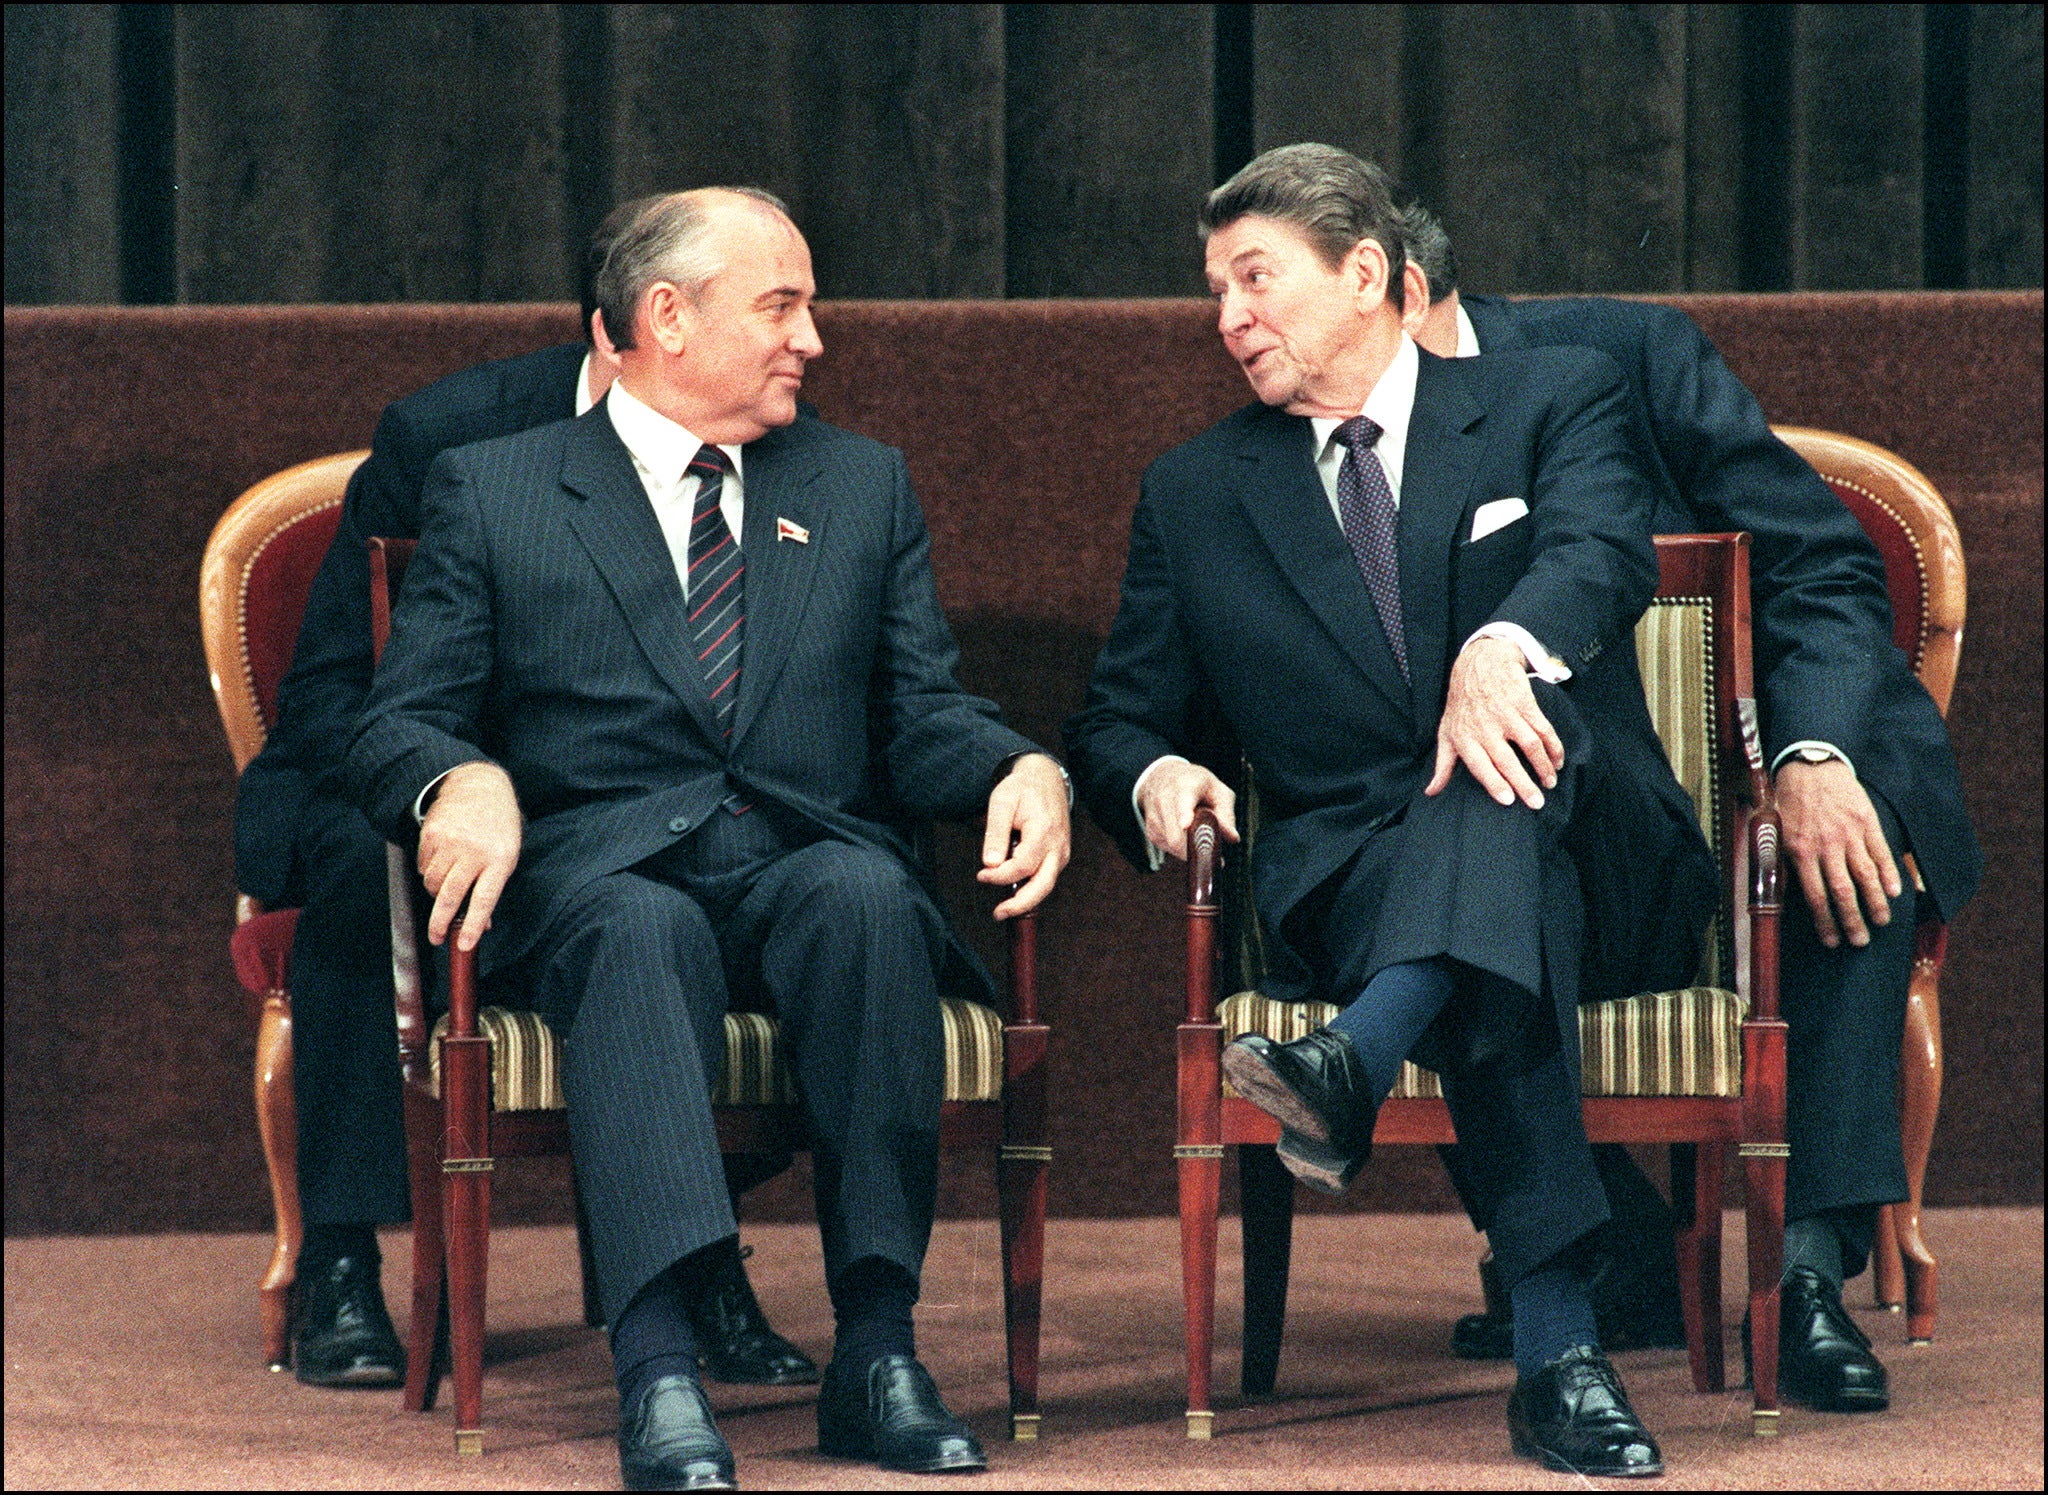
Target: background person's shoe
1574, 1416
341, 1333
735, 1342
1314, 1086
1824, 1359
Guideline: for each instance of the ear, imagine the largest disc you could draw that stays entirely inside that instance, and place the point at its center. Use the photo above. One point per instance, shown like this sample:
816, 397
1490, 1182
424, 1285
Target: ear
666, 311
1415, 297
1367, 265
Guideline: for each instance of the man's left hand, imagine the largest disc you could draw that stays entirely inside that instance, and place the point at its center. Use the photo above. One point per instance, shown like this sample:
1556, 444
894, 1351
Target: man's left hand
1838, 849
1491, 723
1028, 807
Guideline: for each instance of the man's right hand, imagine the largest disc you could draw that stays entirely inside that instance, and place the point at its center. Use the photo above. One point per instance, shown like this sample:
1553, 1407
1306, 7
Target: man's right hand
1169, 797
469, 844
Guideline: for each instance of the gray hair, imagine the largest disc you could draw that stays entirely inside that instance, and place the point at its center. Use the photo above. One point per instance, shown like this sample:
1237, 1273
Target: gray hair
1429, 248
664, 239
1331, 195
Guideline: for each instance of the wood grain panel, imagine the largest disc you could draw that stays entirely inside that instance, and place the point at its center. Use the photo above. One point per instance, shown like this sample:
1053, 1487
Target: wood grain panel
2005, 145
63, 228
1110, 138
1330, 73
1558, 149
369, 153
1856, 181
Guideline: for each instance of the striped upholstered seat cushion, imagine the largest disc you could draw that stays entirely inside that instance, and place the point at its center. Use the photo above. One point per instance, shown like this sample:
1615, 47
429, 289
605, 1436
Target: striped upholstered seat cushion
1667, 1043
526, 1059
1686, 1042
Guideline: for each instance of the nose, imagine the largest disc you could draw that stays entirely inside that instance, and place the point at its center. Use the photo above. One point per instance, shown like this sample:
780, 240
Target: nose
1233, 316
803, 337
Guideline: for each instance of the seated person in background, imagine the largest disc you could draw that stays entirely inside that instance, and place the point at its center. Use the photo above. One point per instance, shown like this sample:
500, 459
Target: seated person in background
299, 842
1446, 725
664, 684
1863, 773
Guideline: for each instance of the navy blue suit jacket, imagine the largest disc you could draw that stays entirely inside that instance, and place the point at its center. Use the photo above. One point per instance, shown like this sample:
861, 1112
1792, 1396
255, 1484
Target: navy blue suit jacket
542, 625
1241, 597
330, 675
1825, 663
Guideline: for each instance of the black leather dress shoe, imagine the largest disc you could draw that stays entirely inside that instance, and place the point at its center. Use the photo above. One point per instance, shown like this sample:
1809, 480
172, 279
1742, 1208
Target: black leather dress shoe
893, 1416
1315, 1087
1824, 1359
1574, 1416
735, 1343
667, 1440
342, 1334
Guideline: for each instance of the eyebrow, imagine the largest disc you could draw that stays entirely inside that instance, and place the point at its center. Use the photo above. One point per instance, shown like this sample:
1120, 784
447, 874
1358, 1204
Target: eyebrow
778, 293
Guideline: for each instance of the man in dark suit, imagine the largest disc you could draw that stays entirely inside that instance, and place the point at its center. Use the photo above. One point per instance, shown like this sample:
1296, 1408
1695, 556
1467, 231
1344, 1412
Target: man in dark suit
1863, 773
664, 686
299, 842
1408, 587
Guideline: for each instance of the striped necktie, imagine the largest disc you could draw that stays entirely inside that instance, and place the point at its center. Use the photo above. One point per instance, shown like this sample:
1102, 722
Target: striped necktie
1366, 503
717, 590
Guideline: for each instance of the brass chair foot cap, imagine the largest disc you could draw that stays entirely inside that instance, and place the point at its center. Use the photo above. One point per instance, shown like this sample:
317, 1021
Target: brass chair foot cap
1201, 1424
276, 1366
469, 1443
1921, 1344
1024, 1427
1764, 1422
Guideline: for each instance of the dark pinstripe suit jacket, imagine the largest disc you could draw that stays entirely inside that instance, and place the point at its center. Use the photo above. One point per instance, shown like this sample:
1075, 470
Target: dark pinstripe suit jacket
542, 625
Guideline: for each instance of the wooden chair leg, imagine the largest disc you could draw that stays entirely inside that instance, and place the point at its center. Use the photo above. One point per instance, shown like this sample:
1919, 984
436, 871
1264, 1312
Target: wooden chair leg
278, 1124
593, 1303
1920, 1101
1266, 1194
466, 1207
429, 1252
1696, 1182
1887, 1268
1020, 1184
1199, 1159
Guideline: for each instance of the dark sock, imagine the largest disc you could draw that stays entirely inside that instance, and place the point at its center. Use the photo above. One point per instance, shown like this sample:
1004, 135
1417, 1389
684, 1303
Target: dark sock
1552, 1314
654, 1336
1392, 1012
1813, 1243
871, 1301
325, 1244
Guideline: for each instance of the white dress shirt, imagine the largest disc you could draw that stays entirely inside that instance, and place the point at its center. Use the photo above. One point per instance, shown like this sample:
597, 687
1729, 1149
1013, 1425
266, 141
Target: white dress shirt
662, 452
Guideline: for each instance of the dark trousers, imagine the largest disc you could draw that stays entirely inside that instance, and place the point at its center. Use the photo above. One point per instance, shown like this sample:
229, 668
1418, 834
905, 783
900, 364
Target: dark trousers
351, 1151
842, 944
1845, 1010
1491, 888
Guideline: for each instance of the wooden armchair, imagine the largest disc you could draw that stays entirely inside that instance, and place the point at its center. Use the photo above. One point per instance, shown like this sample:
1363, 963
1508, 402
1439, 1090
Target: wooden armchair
1697, 1069
1923, 562
487, 1084
258, 567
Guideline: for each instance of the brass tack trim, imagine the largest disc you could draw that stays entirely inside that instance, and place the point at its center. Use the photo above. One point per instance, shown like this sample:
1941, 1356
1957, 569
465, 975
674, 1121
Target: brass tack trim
1024, 1152
466, 1165
1199, 1150
1764, 1150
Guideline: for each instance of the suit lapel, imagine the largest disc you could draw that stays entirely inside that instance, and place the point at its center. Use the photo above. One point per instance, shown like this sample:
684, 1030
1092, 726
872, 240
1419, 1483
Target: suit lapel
616, 524
1285, 500
1438, 469
779, 476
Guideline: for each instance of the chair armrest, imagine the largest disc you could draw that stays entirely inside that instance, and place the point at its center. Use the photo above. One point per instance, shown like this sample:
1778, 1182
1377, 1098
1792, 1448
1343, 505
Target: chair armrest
1205, 852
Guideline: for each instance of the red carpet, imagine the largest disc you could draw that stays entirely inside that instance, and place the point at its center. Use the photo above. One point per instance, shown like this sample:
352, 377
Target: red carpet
133, 1362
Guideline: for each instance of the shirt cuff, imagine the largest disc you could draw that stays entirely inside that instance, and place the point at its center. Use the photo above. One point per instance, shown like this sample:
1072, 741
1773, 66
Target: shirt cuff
419, 804
1153, 854
1541, 662
1809, 742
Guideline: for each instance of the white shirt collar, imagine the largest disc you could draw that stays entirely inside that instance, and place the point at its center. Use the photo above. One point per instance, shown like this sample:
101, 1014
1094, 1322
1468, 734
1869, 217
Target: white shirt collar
583, 399
1468, 336
661, 448
1389, 406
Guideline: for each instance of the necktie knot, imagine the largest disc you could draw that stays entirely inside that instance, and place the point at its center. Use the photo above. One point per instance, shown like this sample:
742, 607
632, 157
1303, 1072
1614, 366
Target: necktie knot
1358, 433
710, 461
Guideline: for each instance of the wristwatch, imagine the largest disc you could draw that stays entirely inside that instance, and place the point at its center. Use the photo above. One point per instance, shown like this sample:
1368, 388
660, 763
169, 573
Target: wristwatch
1816, 755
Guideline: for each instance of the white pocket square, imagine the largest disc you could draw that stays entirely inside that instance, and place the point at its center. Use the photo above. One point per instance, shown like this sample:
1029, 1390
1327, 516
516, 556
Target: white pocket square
1499, 514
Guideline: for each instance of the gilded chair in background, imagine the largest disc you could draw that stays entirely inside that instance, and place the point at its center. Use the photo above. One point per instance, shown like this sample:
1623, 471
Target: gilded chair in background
1923, 560
257, 569
486, 1083
1698, 1069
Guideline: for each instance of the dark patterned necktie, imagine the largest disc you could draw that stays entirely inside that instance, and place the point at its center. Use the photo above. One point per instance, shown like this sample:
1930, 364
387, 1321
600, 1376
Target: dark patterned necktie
1366, 503
717, 591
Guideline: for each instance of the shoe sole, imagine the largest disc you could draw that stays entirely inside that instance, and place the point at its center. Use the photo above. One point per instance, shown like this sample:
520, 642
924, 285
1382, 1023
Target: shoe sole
1549, 1460
1317, 1164
846, 1446
1258, 1082
362, 1376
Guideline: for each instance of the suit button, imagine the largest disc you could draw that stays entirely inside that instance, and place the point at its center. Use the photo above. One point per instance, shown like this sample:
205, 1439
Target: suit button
680, 824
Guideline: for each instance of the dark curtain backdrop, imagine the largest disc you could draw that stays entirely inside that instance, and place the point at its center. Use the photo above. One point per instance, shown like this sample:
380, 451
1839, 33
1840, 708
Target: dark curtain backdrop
250, 153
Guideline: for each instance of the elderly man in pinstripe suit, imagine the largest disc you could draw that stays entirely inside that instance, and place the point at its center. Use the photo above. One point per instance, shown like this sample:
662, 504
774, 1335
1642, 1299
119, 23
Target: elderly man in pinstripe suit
664, 686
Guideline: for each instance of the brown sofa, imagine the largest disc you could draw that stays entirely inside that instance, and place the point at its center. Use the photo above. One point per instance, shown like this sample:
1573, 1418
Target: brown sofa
1026, 425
